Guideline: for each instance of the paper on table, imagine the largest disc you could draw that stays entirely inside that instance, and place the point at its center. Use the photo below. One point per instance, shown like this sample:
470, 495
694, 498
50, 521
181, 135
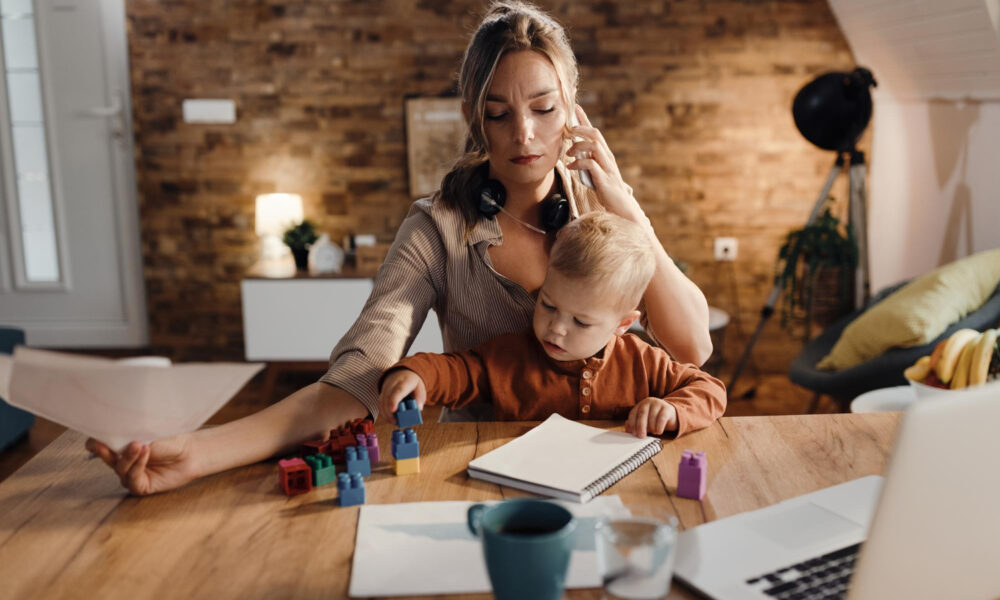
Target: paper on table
117, 401
426, 548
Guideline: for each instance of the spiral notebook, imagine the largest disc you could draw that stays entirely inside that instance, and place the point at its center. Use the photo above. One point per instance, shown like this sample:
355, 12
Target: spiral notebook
565, 459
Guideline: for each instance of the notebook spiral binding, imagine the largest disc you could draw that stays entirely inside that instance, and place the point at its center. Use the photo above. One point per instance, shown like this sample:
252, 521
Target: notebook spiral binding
622, 470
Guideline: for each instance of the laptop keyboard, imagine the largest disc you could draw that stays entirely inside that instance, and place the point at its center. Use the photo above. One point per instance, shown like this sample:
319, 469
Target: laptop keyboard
821, 578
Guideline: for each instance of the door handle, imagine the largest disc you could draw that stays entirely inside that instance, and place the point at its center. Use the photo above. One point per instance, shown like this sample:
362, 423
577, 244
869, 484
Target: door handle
104, 111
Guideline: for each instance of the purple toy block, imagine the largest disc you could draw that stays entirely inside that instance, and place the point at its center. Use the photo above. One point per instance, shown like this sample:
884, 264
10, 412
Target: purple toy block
372, 444
351, 489
692, 474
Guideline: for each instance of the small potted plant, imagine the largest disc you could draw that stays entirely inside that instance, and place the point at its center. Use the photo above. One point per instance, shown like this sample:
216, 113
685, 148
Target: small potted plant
816, 266
299, 238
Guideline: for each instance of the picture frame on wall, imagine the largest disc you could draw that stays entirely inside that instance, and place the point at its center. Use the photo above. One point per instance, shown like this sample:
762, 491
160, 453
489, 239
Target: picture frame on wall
435, 135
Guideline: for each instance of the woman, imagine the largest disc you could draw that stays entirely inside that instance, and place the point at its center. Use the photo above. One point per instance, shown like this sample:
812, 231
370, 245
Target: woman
479, 271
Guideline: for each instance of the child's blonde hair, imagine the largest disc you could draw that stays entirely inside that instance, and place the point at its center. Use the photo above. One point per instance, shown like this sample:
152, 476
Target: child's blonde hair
612, 253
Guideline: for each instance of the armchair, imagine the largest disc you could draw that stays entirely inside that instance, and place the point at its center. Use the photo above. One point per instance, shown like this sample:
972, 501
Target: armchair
882, 371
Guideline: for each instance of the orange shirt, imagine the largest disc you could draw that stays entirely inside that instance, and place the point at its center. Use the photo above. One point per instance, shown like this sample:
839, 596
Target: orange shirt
515, 374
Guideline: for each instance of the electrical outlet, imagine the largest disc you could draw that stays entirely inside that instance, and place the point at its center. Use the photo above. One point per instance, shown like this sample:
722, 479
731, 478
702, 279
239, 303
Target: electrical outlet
725, 248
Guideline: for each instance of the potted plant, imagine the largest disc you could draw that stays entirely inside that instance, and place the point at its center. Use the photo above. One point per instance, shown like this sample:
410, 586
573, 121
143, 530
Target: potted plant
299, 238
816, 266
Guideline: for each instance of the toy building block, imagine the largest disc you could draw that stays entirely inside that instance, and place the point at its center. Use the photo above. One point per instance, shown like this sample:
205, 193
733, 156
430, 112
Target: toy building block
295, 476
407, 413
351, 489
357, 461
338, 444
323, 469
408, 466
343, 435
364, 426
405, 444
692, 474
316, 447
371, 442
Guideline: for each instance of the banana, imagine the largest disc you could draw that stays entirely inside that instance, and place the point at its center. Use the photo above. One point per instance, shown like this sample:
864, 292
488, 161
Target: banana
952, 351
919, 370
960, 378
981, 357
936, 354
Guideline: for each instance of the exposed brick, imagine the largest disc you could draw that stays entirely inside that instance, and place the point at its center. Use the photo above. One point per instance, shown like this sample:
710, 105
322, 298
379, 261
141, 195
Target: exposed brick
693, 97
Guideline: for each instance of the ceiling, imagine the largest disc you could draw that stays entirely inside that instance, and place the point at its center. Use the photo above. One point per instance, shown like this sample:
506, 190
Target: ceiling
926, 49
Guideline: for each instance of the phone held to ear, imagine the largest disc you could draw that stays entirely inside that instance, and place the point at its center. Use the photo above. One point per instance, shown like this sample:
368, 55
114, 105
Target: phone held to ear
584, 174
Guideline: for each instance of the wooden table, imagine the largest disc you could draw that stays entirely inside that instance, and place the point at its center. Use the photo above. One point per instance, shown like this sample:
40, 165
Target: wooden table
68, 530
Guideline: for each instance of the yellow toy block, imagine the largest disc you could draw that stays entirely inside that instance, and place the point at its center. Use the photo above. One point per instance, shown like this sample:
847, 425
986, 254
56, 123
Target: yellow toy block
408, 466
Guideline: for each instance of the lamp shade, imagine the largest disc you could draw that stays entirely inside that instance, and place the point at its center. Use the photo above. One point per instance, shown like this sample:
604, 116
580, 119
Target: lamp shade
277, 212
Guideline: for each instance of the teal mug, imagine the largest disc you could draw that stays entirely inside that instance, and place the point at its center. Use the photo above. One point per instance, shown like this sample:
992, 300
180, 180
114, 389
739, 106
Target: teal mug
527, 544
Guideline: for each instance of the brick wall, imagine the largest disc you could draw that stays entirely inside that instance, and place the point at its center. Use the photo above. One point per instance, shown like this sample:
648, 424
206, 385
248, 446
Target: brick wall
693, 96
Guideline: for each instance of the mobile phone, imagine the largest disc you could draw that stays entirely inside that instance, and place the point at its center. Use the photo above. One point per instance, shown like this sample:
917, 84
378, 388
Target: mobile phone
584, 174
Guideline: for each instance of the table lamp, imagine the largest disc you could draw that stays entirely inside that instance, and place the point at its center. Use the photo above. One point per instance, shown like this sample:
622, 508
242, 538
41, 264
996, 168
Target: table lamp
275, 213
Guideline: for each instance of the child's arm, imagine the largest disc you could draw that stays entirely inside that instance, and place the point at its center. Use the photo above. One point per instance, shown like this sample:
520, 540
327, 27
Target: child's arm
453, 379
697, 398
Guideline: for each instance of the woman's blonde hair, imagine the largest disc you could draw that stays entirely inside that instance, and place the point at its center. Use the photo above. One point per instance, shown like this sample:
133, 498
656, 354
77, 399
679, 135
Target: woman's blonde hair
612, 254
508, 26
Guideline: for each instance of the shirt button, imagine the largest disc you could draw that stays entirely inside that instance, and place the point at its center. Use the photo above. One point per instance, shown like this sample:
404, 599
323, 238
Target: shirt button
586, 374
585, 409
586, 391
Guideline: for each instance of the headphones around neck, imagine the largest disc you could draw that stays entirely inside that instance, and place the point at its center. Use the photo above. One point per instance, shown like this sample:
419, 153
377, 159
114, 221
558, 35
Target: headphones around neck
493, 196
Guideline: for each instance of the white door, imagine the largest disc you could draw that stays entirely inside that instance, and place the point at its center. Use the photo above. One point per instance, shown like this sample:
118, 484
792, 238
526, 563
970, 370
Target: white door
70, 264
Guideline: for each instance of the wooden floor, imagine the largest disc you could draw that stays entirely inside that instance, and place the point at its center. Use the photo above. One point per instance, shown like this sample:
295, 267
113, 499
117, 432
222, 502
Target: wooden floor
756, 394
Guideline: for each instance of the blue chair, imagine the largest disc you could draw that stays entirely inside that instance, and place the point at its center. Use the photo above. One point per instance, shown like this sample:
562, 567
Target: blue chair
14, 422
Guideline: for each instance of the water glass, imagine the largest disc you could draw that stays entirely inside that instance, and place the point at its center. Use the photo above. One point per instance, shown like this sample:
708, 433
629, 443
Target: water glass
635, 556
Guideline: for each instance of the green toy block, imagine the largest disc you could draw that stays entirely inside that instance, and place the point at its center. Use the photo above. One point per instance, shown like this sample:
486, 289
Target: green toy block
324, 471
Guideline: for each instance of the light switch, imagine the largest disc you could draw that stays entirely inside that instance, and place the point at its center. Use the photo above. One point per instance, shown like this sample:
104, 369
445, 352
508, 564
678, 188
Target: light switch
209, 111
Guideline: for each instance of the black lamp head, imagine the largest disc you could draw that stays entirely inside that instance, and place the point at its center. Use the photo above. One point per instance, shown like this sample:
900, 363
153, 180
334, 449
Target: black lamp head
833, 110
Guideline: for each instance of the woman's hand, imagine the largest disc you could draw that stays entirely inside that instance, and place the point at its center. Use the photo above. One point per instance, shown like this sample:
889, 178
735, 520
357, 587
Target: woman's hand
396, 387
652, 415
150, 468
593, 154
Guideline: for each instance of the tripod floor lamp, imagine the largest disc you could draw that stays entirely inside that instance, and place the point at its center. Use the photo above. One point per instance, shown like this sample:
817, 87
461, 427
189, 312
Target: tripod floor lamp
831, 111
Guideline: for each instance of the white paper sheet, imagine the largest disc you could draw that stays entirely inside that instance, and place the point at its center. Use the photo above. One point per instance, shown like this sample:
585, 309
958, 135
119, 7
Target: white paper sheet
426, 548
117, 401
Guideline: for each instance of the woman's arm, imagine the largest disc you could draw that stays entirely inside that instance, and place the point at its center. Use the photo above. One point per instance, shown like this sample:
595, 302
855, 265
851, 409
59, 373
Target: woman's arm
171, 462
405, 289
676, 310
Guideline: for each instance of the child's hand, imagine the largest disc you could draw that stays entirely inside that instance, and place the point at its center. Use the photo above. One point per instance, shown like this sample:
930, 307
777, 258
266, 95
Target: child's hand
652, 415
396, 387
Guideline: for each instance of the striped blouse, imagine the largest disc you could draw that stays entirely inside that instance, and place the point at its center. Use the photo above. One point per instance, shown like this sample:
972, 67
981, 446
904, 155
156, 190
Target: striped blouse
431, 265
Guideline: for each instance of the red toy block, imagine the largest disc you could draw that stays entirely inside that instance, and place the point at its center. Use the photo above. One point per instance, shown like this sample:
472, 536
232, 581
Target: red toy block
362, 426
316, 447
295, 476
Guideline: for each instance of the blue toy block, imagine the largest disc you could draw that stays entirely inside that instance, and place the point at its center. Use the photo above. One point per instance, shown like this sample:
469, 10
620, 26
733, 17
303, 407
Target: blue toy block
405, 444
407, 413
351, 489
692, 473
323, 470
358, 462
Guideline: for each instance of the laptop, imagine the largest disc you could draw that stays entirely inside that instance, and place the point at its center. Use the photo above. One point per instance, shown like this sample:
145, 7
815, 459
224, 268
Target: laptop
930, 529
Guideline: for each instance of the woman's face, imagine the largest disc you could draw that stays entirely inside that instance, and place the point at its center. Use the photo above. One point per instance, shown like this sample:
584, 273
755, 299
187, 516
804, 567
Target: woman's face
525, 118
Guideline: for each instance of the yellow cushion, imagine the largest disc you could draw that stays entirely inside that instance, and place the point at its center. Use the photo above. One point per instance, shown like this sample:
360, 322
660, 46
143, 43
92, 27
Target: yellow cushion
918, 312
